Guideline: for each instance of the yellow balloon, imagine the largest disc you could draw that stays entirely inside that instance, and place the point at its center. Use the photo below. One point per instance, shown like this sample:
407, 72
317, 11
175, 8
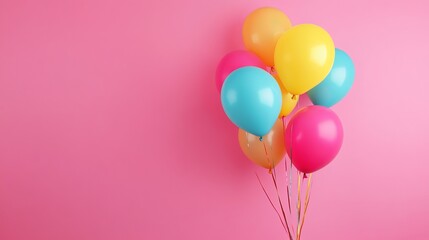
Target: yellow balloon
289, 100
261, 30
303, 57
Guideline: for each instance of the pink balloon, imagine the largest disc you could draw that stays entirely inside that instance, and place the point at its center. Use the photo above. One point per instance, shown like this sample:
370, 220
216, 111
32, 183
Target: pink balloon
234, 60
313, 138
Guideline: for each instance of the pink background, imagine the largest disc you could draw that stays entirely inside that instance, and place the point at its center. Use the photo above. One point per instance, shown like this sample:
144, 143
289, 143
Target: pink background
111, 126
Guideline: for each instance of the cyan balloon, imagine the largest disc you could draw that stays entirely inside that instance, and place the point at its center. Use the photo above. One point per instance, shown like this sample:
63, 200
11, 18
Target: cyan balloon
252, 99
338, 82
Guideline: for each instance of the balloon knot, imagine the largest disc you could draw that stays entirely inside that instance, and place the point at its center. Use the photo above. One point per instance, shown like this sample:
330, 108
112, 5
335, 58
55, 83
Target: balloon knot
305, 175
270, 171
260, 139
294, 97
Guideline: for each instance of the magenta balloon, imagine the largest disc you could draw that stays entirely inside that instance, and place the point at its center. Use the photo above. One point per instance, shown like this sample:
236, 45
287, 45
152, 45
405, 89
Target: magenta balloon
234, 60
313, 138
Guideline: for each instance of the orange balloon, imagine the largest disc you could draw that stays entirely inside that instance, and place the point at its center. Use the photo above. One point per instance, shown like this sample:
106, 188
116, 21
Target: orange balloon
254, 149
261, 30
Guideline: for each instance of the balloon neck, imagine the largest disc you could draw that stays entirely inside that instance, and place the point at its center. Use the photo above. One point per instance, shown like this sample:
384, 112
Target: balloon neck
260, 139
272, 70
294, 97
270, 171
305, 176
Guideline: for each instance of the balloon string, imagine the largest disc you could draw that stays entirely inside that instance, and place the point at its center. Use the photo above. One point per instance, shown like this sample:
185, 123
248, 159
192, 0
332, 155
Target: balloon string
289, 197
290, 191
298, 206
286, 170
290, 181
307, 200
291, 160
274, 178
271, 202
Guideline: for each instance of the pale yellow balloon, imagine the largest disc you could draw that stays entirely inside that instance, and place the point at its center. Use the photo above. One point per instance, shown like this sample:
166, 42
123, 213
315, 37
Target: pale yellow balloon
303, 57
268, 152
289, 100
261, 30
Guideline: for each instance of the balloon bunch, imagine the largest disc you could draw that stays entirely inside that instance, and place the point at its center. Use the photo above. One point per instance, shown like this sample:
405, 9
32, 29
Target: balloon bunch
261, 85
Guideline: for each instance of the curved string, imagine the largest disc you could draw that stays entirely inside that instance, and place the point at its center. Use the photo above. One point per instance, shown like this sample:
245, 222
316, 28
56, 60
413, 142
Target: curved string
271, 202
274, 178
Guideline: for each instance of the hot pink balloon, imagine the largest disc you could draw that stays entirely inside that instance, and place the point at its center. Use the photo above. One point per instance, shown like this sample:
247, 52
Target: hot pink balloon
313, 138
234, 60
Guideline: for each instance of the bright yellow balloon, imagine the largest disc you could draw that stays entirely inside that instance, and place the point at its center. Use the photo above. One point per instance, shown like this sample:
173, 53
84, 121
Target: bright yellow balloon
289, 100
261, 31
303, 57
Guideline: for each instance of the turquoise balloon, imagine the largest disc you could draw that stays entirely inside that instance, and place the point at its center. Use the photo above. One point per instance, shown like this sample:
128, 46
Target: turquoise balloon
338, 82
252, 99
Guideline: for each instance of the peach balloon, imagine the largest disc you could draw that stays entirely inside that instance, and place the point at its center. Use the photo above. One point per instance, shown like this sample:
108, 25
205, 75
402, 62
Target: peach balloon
261, 31
267, 156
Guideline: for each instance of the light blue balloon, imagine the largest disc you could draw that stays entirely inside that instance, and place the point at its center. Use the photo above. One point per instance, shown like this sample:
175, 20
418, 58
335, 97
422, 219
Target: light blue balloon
338, 82
252, 99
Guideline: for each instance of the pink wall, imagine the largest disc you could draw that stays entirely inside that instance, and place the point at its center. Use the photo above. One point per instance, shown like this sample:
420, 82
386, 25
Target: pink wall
111, 126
